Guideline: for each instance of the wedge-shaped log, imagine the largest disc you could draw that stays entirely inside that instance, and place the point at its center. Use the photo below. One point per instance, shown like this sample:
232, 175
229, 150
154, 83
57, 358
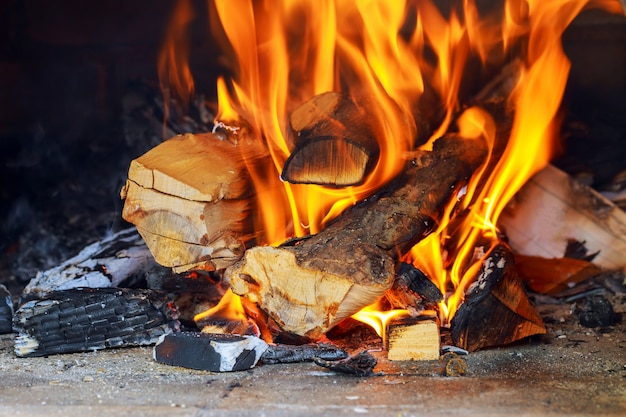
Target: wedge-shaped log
496, 310
308, 286
189, 199
335, 143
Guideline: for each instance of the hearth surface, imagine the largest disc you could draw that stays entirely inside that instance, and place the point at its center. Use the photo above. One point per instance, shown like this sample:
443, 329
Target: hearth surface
571, 371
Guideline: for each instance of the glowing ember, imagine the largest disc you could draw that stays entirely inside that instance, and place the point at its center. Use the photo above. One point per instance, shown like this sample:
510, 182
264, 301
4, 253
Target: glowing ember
404, 57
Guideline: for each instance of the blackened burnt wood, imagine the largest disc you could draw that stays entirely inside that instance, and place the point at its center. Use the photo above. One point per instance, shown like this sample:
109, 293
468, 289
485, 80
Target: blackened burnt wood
310, 286
218, 352
302, 353
496, 310
91, 319
335, 143
413, 290
209, 352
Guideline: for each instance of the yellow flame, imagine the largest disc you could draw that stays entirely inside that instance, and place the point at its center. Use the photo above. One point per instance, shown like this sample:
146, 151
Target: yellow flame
377, 319
229, 307
406, 57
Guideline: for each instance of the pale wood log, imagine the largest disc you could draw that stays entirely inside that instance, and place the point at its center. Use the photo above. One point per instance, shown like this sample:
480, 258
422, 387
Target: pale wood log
552, 208
119, 260
335, 144
189, 199
310, 285
414, 339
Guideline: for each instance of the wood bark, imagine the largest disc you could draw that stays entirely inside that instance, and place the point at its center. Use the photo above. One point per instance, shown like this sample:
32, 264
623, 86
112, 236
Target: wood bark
189, 199
335, 143
496, 310
309, 286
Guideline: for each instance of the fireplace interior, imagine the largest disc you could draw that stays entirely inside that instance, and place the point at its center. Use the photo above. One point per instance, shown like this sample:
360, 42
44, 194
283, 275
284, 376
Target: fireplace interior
81, 98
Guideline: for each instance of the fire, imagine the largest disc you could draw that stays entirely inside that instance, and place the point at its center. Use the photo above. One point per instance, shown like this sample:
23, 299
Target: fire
408, 58
377, 319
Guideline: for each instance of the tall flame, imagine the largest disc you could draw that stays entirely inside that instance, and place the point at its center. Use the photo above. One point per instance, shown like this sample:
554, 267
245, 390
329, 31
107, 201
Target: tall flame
406, 57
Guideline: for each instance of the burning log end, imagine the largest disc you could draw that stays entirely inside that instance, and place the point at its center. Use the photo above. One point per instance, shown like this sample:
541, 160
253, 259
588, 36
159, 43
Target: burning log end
418, 283
309, 295
335, 144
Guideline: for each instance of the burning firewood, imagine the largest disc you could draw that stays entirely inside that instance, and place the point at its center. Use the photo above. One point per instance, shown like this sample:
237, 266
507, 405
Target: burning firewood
335, 144
188, 199
496, 310
413, 339
309, 286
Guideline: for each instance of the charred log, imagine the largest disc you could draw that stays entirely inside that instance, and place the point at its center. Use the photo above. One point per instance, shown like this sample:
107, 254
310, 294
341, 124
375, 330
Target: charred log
496, 310
86, 319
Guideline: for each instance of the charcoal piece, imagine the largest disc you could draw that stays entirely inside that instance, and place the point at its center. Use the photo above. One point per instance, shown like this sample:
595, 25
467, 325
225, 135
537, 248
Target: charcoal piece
302, 353
6, 310
595, 311
418, 283
361, 364
89, 319
209, 351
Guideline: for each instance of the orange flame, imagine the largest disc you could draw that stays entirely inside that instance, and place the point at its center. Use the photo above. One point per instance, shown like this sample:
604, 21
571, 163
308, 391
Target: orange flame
174, 72
377, 319
229, 308
402, 56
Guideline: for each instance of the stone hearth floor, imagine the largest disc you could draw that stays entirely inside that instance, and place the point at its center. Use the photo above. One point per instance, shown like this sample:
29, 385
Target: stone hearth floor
571, 371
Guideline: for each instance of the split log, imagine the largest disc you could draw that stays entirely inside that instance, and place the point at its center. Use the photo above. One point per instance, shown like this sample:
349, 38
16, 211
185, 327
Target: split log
309, 286
553, 208
189, 199
496, 310
413, 339
87, 319
335, 144
119, 260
